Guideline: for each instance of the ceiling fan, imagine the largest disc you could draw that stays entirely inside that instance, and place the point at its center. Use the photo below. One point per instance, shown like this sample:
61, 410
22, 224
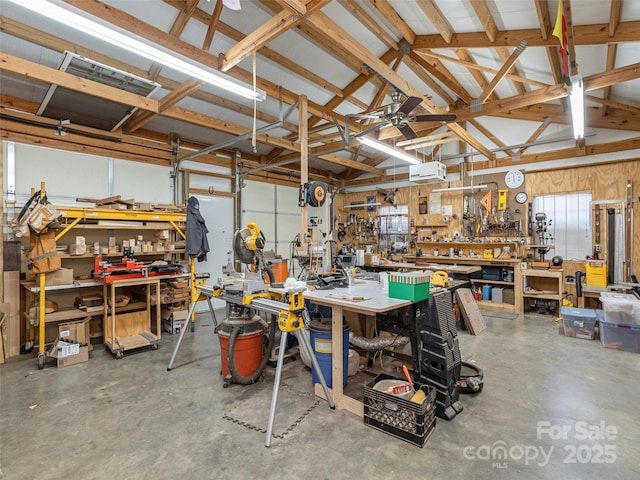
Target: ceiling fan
398, 114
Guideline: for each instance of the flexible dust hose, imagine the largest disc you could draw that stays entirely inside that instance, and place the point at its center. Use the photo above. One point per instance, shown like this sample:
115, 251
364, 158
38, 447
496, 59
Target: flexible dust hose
377, 343
242, 380
369, 344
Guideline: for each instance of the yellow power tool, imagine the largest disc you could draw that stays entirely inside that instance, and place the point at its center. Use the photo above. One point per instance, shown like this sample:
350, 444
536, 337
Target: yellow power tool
440, 279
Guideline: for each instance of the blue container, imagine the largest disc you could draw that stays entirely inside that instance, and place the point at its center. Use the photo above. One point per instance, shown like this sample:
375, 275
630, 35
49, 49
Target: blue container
486, 292
320, 335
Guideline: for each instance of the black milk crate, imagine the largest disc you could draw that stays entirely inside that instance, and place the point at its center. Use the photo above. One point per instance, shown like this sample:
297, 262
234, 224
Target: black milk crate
406, 420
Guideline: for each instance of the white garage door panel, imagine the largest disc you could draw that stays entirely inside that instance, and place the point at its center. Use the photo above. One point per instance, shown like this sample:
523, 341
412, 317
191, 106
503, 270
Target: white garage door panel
218, 216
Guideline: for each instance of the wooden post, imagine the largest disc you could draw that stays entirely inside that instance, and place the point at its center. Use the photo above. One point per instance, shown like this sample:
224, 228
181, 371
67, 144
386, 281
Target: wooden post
303, 129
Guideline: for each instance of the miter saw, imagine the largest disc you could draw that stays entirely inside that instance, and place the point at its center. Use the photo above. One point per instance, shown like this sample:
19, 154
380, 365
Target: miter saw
248, 243
247, 246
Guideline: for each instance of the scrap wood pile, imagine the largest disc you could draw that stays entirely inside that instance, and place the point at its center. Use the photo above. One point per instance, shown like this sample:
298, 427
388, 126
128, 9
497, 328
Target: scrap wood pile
174, 292
116, 202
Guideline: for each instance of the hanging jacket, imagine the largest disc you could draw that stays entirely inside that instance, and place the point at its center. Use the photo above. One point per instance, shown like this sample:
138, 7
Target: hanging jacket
197, 244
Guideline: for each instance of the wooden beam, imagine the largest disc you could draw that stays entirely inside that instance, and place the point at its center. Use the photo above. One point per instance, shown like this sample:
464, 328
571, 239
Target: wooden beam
80, 140
51, 42
464, 55
183, 18
611, 103
394, 19
503, 53
431, 143
542, 95
610, 64
488, 134
534, 136
438, 70
596, 34
615, 120
321, 21
571, 45
27, 69
421, 73
542, 9
368, 21
426, 138
475, 66
530, 160
171, 98
266, 52
352, 164
152, 34
295, 6
271, 29
212, 25
614, 16
195, 118
513, 58
433, 13
486, 19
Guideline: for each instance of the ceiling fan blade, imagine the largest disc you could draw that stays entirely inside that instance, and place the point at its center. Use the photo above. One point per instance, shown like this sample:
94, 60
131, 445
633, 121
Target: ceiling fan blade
408, 132
445, 117
409, 104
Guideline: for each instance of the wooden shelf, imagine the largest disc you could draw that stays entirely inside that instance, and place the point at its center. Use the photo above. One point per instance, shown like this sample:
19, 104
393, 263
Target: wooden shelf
474, 244
34, 288
94, 226
463, 260
75, 313
544, 295
119, 254
532, 272
503, 307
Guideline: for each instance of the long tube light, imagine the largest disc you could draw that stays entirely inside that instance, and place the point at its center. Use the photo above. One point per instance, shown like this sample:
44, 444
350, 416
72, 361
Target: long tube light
577, 106
467, 187
102, 32
389, 150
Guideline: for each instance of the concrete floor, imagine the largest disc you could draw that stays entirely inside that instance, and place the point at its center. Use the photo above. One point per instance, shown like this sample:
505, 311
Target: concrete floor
131, 419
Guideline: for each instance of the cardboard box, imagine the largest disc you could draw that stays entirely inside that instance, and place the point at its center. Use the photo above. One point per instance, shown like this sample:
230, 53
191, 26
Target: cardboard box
62, 276
174, 322
72, 344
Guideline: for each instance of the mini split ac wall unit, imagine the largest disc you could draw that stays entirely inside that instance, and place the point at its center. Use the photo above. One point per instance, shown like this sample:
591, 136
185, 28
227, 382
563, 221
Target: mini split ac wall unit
430, 172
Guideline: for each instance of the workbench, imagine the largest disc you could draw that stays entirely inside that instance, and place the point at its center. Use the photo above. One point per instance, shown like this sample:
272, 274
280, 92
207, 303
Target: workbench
375, 300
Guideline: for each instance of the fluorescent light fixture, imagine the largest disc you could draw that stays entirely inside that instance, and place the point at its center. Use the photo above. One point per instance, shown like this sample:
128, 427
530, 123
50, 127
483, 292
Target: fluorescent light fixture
360, 205
577, 106
171, 60
388, 149
453, 189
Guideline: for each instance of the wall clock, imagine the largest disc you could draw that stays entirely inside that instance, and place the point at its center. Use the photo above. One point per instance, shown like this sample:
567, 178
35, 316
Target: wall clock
514, 178
521, 197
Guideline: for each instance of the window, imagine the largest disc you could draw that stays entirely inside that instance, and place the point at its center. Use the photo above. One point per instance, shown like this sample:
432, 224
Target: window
568, 218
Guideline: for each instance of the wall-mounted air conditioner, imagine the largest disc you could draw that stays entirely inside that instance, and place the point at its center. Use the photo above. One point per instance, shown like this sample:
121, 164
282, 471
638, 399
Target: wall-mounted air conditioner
429, 172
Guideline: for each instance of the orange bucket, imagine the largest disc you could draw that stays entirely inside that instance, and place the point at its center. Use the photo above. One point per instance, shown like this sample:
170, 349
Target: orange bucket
247, 353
